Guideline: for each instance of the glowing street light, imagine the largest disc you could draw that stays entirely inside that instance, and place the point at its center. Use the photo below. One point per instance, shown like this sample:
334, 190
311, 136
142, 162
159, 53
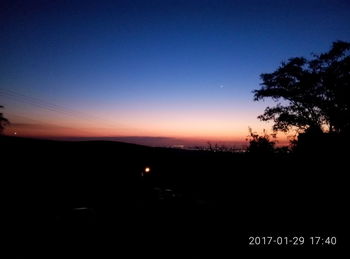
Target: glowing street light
147, 170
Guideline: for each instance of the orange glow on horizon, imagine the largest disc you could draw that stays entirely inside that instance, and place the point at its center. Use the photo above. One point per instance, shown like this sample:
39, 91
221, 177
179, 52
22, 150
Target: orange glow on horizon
192, 126
52, 131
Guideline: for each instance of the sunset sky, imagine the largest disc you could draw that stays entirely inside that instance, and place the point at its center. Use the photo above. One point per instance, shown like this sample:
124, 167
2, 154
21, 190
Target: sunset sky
171, 69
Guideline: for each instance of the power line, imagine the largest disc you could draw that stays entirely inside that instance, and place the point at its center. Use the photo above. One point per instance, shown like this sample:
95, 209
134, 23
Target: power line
51, 107
37, 102
38, 122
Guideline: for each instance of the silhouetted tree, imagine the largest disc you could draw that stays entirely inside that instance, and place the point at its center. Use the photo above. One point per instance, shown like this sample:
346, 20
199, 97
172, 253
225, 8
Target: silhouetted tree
3, 122
260, 144
312, 95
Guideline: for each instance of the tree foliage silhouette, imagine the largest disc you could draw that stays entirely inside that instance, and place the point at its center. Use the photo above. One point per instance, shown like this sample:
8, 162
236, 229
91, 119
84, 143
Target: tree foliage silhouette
260, 144
311, 95
3, 122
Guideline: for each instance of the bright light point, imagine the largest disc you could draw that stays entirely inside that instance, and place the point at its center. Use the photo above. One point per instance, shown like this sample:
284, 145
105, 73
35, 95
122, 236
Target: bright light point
147, 170
15, 133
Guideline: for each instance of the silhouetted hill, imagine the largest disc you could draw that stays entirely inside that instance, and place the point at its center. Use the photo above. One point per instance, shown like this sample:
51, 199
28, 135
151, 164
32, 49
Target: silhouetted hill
82, 192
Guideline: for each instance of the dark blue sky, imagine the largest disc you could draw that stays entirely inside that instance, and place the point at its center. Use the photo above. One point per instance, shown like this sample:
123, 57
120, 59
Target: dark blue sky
155, 68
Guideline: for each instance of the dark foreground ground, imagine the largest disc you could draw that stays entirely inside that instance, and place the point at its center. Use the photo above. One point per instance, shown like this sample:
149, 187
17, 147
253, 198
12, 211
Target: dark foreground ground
89, 199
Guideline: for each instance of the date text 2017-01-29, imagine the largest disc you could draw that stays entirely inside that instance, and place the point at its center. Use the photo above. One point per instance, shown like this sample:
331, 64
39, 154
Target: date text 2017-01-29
292, 240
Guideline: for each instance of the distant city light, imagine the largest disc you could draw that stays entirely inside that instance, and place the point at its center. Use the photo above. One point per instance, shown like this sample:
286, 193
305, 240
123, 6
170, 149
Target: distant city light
147, 170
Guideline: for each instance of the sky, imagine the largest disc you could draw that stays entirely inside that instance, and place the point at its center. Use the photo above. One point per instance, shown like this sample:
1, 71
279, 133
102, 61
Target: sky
152, 69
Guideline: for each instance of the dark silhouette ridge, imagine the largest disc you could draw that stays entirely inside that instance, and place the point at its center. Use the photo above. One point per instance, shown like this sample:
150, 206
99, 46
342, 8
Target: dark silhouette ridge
94, 193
